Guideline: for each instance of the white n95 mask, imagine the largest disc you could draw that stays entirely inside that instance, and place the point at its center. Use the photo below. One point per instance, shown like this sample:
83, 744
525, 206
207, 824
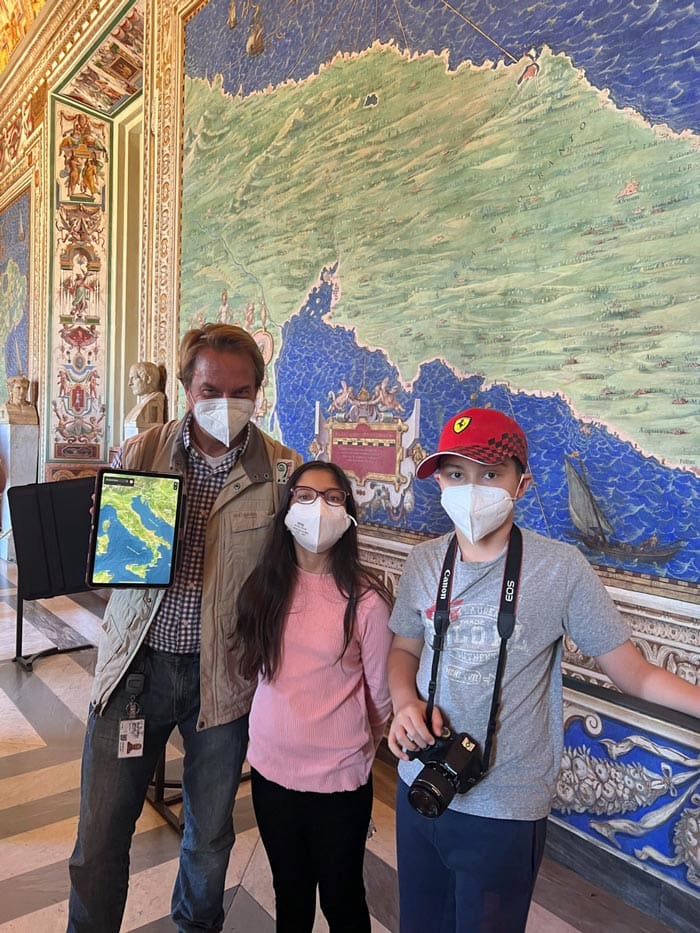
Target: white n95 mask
223, 418
476, 510
317, 526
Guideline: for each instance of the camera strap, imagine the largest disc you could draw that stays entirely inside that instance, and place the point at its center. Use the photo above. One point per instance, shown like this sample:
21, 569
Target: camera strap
506, 625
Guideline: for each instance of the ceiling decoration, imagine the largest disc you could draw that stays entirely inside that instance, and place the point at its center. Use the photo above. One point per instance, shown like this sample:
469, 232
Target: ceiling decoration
16, 18
113, 75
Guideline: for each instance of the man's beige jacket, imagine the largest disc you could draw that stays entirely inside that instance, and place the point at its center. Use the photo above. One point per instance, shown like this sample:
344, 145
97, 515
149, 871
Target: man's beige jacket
234, 538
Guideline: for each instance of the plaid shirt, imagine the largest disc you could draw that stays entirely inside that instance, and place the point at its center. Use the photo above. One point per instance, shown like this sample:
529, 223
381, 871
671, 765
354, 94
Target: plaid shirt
177, 626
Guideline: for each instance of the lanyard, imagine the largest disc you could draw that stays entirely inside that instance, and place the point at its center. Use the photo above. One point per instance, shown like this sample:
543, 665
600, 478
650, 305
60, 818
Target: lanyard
506, 624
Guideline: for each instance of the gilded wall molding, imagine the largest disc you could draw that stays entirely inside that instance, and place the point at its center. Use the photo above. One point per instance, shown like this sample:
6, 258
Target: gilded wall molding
58, 29
163, 105
37, 158
60, 34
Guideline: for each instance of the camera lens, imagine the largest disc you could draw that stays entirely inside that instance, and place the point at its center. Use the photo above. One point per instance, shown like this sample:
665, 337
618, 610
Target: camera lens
431, 793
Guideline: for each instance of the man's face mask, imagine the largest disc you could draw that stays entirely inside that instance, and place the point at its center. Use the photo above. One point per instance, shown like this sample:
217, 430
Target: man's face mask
223, 418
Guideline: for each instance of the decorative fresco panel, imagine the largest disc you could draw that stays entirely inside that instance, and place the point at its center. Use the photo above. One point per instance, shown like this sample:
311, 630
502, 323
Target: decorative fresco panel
421, 207
113, 75
14, 290
81, 177
14, 136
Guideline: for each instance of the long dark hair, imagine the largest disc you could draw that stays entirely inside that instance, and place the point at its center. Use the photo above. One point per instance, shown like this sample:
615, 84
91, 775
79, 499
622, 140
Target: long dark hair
265, 598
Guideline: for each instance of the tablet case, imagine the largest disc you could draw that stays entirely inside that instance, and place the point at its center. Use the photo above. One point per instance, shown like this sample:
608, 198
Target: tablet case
51, 528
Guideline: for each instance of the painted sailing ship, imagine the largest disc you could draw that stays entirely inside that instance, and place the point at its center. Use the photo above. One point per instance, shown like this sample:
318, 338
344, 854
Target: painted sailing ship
593, 527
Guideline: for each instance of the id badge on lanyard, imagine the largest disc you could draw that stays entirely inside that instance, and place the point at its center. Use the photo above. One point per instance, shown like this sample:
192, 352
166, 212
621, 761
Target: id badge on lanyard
132, 730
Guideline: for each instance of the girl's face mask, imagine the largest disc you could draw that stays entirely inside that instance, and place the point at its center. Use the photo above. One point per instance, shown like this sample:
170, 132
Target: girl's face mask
317, 526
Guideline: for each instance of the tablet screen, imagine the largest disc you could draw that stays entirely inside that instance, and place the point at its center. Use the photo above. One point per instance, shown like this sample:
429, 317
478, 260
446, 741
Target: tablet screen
136, 519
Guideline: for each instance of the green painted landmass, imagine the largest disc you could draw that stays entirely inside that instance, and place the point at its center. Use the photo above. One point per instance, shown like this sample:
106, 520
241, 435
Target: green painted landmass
102, 577
528, 232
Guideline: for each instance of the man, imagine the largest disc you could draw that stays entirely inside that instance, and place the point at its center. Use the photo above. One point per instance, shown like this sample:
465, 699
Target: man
473, 868
165, 656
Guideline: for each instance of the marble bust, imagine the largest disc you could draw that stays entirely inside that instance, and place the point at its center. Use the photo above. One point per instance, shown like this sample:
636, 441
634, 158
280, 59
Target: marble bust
18, 409
145, 383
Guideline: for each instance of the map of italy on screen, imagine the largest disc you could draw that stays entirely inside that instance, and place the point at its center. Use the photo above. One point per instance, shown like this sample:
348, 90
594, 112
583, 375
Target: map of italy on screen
136, 530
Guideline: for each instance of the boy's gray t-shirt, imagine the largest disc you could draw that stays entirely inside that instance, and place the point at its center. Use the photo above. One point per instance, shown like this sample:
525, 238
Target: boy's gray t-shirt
559, 594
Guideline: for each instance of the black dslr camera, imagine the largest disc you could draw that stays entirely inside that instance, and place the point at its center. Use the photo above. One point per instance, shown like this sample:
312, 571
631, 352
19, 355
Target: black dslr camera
453, 765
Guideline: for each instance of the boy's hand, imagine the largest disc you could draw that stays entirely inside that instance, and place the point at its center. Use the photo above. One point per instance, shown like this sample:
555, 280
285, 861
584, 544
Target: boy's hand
409, 730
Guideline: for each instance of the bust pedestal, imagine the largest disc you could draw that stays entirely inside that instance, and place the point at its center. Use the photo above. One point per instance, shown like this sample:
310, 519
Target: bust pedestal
19, 450
132, 427
146, 414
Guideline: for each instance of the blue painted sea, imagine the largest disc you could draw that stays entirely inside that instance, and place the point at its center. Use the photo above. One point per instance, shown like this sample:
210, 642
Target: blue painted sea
643, 51
125, 548
642, 498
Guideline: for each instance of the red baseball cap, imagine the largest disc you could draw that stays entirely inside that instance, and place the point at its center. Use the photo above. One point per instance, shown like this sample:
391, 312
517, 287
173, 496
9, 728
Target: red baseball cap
480, 434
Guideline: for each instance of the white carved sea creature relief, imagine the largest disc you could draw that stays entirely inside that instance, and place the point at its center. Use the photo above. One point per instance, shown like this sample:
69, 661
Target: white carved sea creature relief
605, 787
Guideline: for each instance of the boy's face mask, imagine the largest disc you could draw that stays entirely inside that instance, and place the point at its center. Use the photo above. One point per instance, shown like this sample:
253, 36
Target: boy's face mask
477, 510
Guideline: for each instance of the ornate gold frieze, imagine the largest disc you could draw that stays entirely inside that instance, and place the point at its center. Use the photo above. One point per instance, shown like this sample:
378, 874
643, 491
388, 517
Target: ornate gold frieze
58, 29
163, 93
16, 20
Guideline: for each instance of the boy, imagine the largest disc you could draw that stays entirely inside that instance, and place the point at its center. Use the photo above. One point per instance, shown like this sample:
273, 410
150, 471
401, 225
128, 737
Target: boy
474, 867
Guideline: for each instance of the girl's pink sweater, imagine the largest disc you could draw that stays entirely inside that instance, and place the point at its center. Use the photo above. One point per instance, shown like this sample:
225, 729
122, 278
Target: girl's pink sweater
316, 727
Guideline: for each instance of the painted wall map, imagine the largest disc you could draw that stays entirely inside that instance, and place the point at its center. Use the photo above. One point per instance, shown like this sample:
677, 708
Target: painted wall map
422, 206
14, 290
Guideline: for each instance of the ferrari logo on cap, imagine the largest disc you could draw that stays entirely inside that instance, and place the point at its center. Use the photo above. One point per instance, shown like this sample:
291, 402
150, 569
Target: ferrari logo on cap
461, 424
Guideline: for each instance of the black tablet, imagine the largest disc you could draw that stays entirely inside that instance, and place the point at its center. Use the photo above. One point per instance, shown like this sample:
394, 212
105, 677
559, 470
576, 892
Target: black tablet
135, 529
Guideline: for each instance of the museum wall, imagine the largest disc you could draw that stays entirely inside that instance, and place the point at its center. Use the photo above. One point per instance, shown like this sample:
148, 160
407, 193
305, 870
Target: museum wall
413, 210
71, 215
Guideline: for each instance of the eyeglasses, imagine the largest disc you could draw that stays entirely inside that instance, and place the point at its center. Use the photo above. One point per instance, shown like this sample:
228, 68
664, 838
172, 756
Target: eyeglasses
306, 495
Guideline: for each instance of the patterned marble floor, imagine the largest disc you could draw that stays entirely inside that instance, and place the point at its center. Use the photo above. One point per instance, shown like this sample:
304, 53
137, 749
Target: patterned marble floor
42, 719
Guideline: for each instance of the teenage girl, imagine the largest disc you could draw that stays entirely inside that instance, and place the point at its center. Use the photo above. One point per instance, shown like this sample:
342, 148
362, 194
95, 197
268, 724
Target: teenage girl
312, 623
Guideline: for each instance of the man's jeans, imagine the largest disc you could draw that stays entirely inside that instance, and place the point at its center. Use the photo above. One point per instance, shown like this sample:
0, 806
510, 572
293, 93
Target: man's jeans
113, 791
